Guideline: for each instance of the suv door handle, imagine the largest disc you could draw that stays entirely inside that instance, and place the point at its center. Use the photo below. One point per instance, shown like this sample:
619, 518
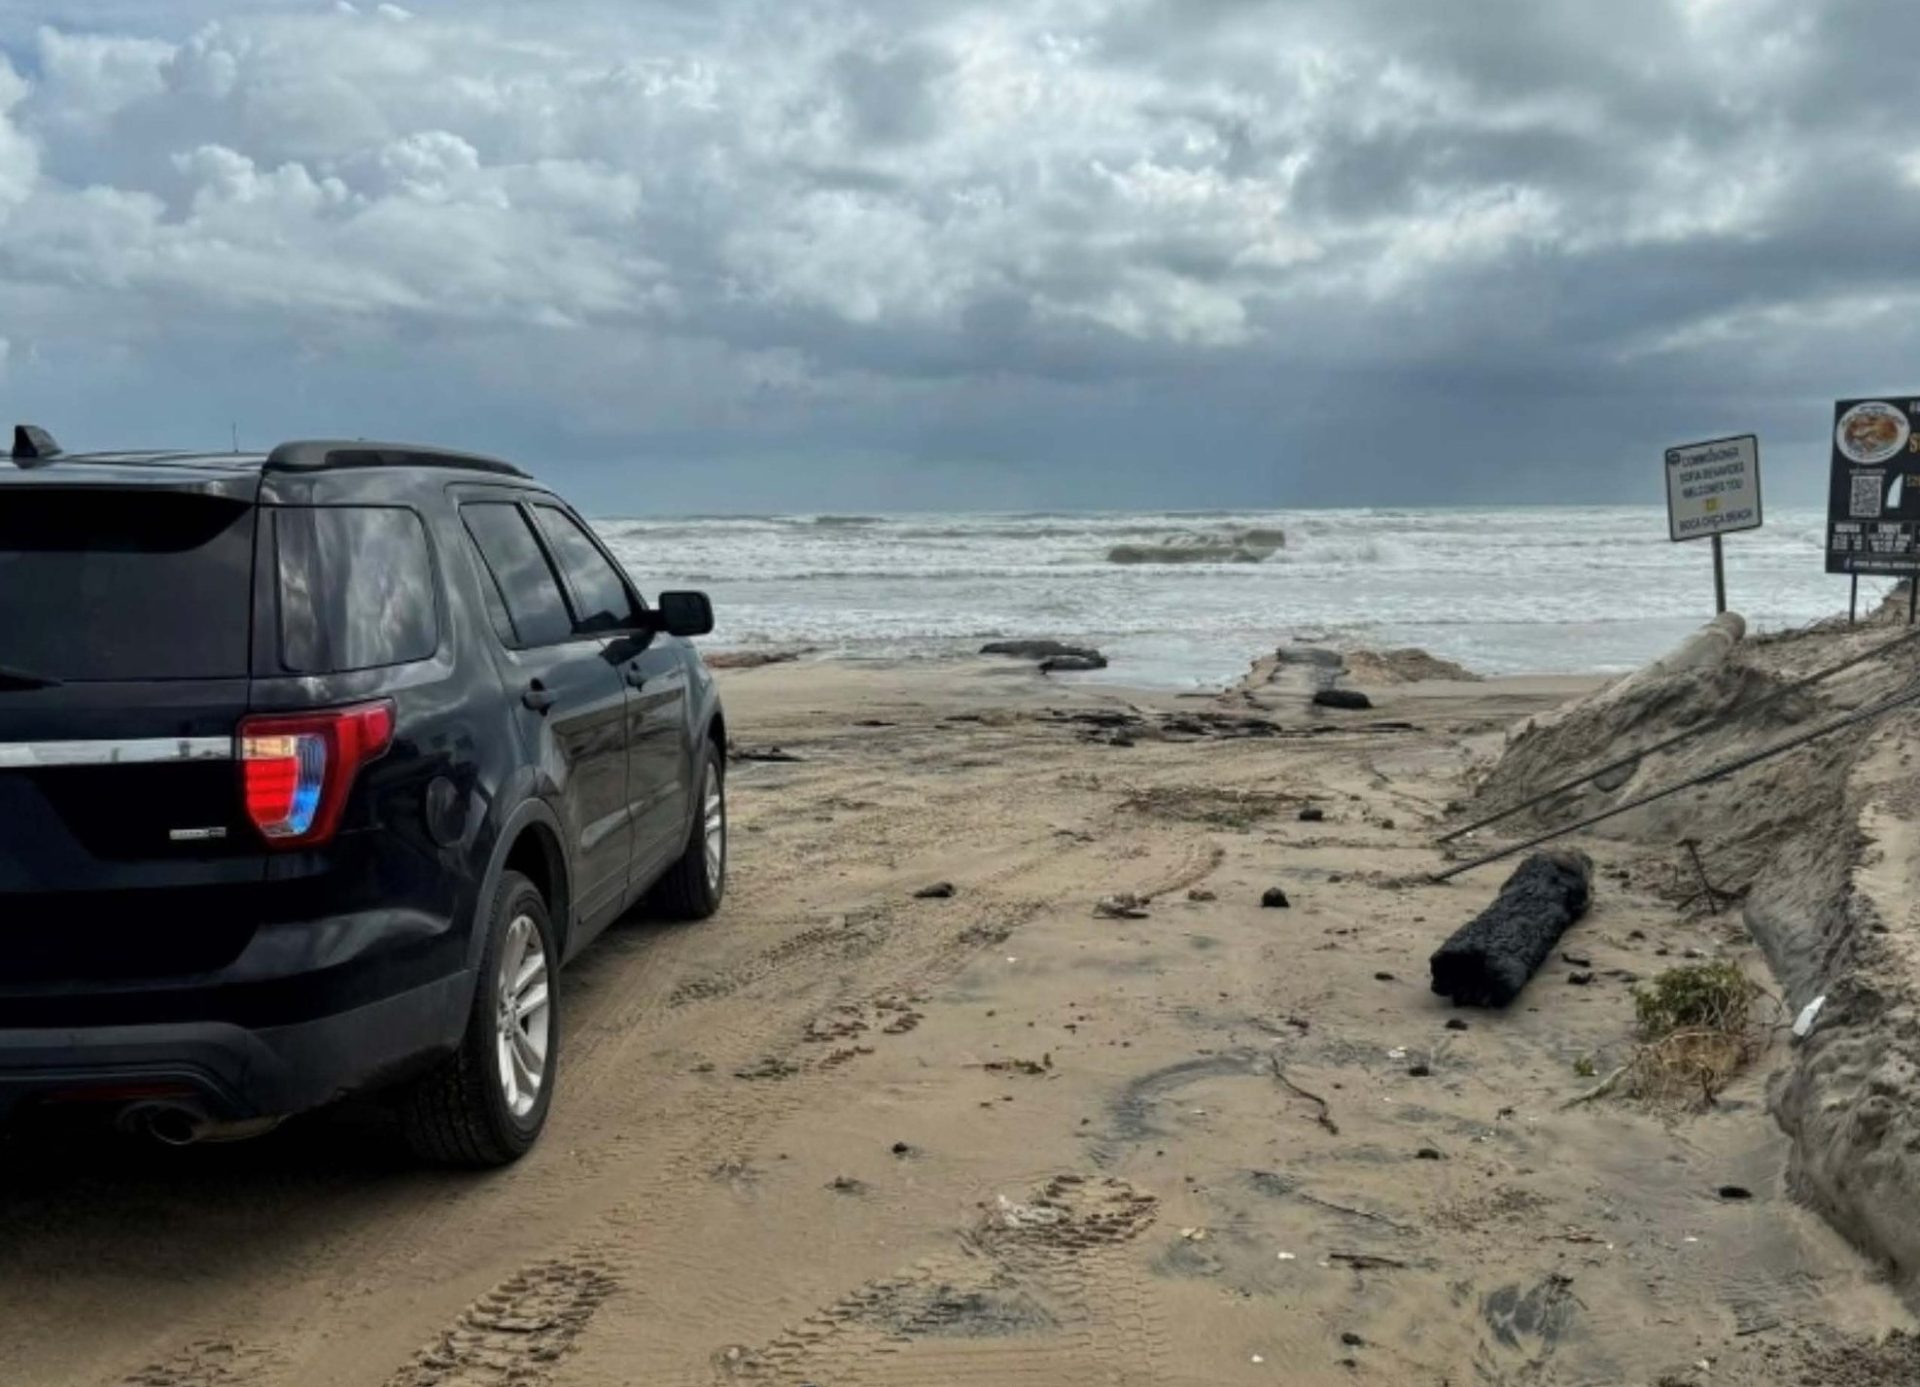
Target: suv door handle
636, 678
539, 697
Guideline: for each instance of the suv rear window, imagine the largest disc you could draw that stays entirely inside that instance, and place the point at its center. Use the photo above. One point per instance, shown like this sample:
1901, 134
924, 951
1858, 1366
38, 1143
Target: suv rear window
356, 588
105, 585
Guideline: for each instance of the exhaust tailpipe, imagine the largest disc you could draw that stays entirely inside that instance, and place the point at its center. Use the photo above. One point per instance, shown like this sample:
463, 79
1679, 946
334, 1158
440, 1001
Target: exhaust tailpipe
187, 1124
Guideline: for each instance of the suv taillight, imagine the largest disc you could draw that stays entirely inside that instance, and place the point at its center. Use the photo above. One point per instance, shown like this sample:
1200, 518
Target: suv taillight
296, 769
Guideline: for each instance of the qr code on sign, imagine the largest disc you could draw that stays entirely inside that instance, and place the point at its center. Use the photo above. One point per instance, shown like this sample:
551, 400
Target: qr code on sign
1868, 488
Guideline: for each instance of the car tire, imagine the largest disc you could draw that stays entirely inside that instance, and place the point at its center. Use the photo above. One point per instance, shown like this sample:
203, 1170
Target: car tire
485, 1104
694, 885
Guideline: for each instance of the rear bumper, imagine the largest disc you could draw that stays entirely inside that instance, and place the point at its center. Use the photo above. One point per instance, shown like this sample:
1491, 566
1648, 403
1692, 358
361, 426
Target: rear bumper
238, 1072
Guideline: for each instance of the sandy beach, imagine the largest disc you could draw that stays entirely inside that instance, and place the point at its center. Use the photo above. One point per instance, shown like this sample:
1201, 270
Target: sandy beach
844, 1134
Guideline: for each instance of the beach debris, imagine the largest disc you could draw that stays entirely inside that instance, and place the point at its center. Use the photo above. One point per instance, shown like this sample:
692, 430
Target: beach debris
1734, 1193
1580, 979
1429, 1153
939, 891
846, 1184
760, 753
754, 659
1124, 906
1366, 1261
900, 1148
1073, 664
1102, 725
1273, 898
1312, 814
1809, 1014
1456, 1024
1040, 650
1420, 1069
1325, 1117
769, 1067
1201, 894
1696, 1031
1490, 959
1350, 700
1034, 1069
1352, 1340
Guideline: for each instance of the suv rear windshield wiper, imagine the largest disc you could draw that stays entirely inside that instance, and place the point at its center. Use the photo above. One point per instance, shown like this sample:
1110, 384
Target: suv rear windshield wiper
26, 679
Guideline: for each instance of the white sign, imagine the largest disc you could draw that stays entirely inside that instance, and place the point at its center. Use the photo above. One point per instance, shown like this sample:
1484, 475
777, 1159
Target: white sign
1713, 488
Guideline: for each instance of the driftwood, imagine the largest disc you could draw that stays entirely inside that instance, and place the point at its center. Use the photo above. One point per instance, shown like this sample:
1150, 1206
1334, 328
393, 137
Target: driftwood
1490, 960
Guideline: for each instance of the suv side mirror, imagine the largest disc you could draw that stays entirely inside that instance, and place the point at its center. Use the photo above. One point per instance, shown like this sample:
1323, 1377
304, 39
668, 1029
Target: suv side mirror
684, 614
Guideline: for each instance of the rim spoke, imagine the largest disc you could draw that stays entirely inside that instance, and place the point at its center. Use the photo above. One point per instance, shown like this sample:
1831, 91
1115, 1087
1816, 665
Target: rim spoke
534, 970
530, 1001
514, 952
509, 1073
536, 1033
525, 1067
532, 1056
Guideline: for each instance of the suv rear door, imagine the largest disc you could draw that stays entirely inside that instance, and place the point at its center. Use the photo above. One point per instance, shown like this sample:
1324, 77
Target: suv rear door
572, 700
658, 767
125, 622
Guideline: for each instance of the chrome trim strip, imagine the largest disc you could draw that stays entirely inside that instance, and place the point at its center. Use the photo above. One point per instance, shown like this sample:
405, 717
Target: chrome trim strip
20, 756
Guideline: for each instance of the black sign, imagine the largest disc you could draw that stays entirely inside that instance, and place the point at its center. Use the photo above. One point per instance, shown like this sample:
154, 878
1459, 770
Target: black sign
1873, 509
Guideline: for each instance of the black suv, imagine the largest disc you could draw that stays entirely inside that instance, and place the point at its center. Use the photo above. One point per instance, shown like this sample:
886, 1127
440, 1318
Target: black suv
314, 769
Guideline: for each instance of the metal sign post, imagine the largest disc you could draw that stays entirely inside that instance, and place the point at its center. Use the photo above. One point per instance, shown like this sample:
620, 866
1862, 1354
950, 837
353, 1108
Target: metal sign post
1713, 489
1873, 502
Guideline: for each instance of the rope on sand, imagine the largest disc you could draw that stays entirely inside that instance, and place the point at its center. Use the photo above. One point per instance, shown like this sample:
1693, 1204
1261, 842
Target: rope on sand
1719, 772
1777, 696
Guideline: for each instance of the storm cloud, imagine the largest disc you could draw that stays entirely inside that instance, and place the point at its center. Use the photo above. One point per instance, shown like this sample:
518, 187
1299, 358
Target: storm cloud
1193, 253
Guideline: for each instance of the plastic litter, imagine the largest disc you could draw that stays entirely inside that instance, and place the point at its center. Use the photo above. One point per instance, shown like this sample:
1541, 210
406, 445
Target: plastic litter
1803, 1026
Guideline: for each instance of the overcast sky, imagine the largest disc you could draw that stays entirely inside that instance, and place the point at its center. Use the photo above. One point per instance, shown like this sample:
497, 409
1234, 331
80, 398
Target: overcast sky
733, 255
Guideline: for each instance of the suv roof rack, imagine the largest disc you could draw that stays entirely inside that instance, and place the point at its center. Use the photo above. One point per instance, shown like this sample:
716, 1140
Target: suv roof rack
319, 454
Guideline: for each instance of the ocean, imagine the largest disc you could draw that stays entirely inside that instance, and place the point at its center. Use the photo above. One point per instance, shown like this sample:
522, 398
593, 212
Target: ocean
1503, 591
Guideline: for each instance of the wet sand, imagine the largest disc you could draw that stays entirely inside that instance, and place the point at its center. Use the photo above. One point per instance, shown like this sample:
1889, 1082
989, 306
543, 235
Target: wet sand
843, 1135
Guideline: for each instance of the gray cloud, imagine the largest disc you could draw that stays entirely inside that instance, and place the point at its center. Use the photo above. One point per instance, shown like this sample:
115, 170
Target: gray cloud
1092, 251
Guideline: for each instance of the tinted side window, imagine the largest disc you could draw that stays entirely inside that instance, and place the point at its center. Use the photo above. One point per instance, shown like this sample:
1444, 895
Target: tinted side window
356, 588
527, 586
119, 585
604, 601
